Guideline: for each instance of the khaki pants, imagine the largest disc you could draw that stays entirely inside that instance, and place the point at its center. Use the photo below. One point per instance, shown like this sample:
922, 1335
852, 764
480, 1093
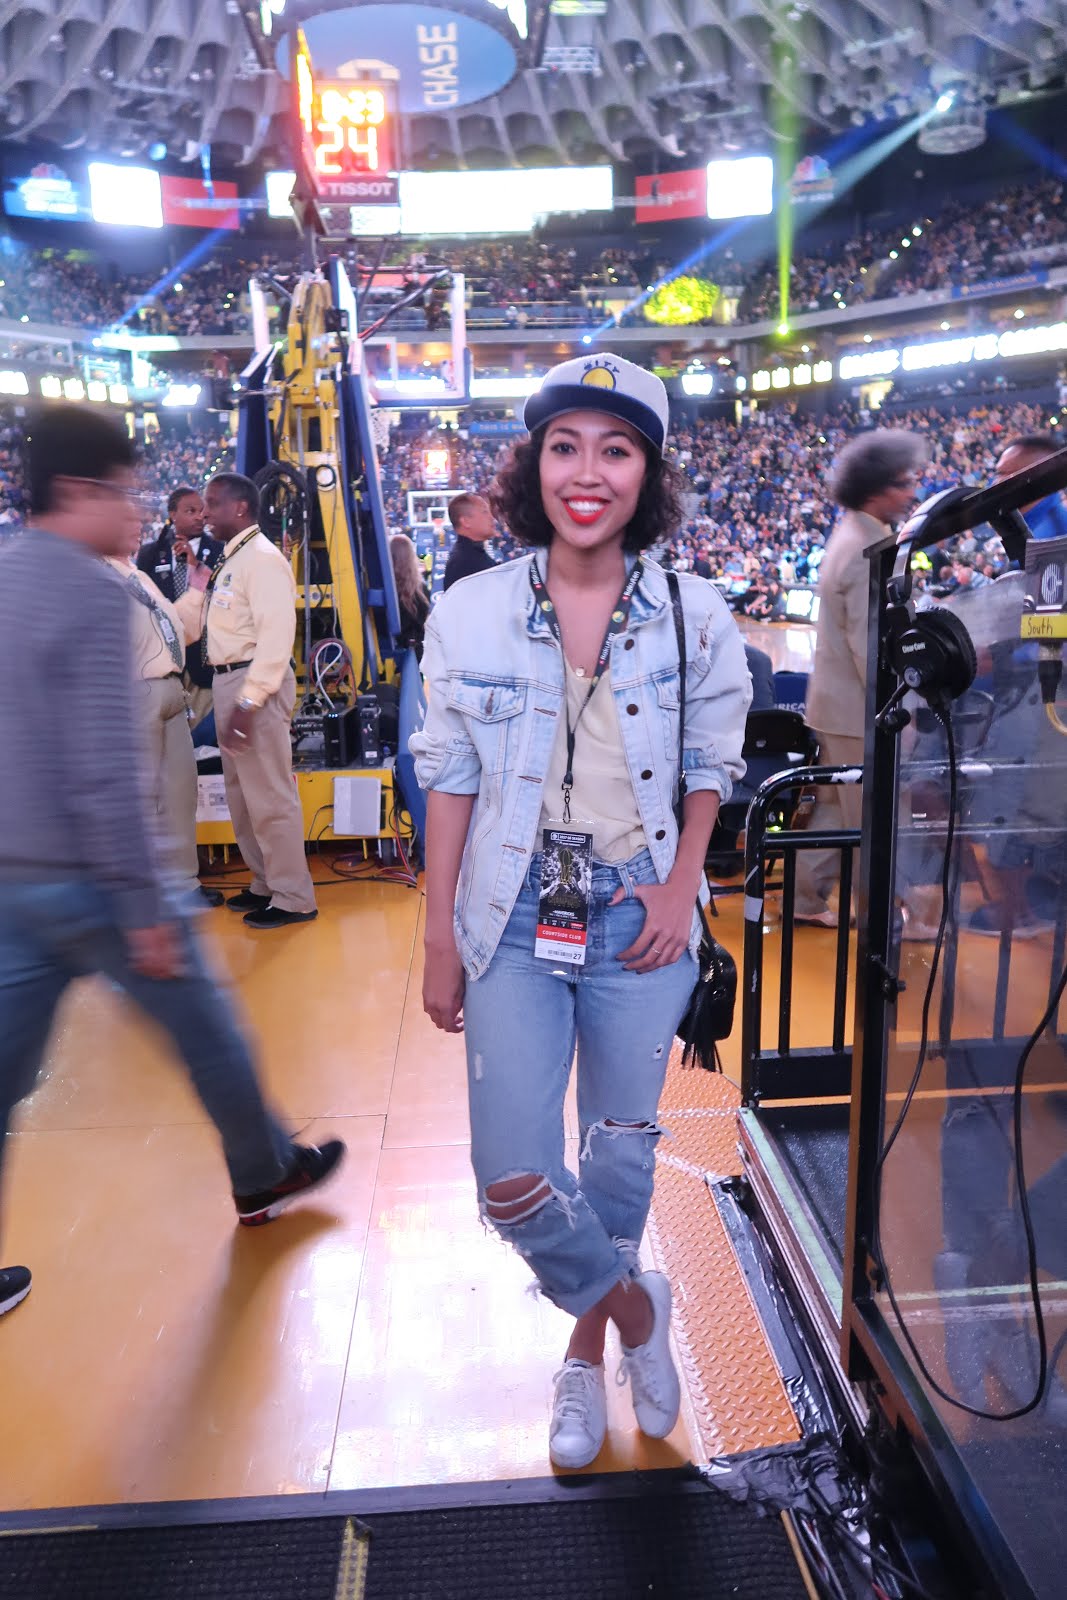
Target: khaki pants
836, 806
200, 702
265, 809
171, 778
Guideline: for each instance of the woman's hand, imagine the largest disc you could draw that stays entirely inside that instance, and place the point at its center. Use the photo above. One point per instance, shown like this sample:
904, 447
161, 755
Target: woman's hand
668, 923
443, 985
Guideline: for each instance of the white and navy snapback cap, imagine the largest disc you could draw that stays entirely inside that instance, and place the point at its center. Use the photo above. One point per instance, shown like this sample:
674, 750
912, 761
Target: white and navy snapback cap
603, 382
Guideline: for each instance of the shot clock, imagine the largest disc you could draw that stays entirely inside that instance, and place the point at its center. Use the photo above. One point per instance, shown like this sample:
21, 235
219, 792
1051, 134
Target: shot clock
347, 135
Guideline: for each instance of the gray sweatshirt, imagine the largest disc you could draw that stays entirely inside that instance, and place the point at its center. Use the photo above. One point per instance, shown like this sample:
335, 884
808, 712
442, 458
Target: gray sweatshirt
71, 746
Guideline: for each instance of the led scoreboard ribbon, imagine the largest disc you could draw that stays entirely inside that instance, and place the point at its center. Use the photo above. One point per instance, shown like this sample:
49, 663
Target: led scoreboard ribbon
346, 128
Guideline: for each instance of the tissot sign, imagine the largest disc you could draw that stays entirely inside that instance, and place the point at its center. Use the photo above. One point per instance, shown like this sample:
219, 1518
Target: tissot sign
438, 56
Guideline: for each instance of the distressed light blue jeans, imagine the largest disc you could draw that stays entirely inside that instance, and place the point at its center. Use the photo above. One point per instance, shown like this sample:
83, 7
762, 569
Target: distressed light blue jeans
523, 1018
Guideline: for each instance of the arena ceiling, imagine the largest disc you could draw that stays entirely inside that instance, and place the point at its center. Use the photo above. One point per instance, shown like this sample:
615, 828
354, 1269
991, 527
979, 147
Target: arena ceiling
644, 80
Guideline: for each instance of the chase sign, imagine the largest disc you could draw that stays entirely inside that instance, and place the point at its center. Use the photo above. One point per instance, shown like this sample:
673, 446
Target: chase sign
439, 55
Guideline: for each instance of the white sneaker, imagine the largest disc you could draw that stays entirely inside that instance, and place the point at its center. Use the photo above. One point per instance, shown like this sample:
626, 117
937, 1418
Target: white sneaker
654, 1386
579, 1414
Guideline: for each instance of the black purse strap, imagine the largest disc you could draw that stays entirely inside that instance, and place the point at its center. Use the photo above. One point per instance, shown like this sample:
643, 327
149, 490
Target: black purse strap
679, 806
679, 629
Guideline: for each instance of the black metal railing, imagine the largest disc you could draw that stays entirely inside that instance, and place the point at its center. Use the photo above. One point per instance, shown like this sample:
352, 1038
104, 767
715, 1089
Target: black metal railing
786, 1072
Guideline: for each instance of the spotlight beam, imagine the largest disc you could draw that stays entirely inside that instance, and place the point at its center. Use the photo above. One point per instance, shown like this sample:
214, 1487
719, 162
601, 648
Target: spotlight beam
785, 131
192, 258
846, 177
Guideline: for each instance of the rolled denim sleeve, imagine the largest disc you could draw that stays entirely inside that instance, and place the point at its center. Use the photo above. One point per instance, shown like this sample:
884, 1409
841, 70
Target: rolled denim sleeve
445, 755
718, 692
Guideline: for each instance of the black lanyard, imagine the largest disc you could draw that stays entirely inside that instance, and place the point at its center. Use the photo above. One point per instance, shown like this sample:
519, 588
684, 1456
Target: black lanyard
620, 616
214, 578
210, 589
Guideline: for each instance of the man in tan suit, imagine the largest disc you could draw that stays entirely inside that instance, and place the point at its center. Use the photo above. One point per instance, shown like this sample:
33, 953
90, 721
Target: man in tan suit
874, 480
249, 622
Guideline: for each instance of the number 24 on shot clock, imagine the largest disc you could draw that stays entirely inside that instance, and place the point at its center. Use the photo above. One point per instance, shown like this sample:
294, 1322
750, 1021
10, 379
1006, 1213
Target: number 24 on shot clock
352, 130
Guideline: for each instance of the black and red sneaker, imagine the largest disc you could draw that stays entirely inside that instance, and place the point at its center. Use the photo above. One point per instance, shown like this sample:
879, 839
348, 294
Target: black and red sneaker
312, 1166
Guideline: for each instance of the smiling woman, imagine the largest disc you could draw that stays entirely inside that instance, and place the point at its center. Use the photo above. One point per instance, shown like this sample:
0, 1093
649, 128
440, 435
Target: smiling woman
602, 404
561, 876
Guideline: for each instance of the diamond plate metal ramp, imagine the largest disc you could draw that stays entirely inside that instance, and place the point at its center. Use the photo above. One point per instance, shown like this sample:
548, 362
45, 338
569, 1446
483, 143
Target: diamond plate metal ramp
738, 1398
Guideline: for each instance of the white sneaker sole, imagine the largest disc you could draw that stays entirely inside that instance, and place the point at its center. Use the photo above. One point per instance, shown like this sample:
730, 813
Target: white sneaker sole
16, 1300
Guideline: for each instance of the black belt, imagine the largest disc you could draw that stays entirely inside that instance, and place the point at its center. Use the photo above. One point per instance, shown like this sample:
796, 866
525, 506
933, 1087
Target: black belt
239, 666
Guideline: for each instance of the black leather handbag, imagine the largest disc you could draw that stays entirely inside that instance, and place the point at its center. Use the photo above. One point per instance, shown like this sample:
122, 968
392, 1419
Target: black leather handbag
709, 1016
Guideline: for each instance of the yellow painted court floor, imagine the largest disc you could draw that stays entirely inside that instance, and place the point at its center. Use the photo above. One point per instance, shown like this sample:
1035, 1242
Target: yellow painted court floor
374, 1336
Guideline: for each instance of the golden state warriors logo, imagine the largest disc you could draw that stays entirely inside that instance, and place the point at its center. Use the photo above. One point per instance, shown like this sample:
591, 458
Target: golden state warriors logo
601, 375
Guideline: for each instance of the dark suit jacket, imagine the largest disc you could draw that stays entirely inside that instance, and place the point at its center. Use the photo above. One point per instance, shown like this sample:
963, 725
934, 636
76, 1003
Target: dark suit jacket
158, 560
466, 557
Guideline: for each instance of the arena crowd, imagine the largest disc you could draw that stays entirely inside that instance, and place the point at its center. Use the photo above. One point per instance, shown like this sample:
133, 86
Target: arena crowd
962, 244
757, 511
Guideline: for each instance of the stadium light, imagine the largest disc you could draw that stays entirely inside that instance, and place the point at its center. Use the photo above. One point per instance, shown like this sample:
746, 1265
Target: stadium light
945, 102
125, 196
182, 394
740, 187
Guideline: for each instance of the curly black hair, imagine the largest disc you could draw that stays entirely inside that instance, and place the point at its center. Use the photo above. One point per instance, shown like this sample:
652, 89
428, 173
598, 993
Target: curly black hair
516, 498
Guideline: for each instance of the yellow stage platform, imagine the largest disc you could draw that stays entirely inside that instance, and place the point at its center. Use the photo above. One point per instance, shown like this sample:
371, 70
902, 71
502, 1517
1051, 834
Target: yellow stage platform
316, 798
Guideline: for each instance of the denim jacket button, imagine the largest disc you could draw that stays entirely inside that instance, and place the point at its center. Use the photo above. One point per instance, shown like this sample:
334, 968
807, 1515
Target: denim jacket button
661, 833
628, 645
646, 774
632, 710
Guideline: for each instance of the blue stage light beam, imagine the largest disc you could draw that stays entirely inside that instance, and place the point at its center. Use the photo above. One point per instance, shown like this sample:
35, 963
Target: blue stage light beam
192, 258
1005, 127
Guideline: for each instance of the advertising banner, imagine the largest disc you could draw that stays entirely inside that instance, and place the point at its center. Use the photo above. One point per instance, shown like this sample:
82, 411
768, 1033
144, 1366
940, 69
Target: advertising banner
1017, 280
360, 191
502, 428
189, 203
437, 57
671, 196
811, 181
47, 191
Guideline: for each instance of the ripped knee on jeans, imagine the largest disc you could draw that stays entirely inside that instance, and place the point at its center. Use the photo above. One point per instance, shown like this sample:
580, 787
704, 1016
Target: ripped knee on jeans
517, 1199
613, 1127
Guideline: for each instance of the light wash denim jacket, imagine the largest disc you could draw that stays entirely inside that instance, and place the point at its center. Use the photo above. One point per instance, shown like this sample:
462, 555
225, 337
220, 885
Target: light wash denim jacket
495, 683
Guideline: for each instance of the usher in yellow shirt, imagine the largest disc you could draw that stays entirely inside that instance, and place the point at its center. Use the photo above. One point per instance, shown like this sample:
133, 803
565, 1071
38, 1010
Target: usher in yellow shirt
251, 613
